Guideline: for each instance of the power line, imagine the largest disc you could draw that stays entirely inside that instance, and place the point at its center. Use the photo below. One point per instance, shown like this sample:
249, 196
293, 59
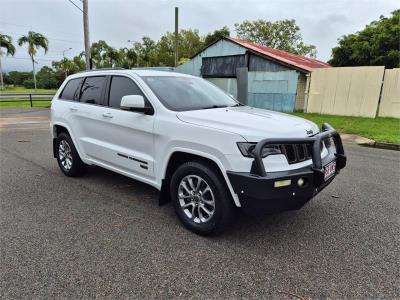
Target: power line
27, 58
75, 5
32, 28
50, 38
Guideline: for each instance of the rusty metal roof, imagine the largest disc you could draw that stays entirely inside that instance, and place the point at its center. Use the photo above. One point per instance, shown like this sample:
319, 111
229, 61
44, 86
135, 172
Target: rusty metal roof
297, 61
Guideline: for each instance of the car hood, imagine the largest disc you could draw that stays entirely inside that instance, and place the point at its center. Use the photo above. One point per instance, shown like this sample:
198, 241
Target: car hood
253, 124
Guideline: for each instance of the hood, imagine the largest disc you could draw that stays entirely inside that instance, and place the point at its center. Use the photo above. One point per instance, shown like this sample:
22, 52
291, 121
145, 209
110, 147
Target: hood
253, 124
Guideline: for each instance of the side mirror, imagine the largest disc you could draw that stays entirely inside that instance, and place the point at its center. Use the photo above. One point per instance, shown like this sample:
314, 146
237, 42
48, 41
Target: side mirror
135, 103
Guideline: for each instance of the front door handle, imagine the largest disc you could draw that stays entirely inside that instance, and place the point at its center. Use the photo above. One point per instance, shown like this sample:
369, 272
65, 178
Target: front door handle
108, 115
73, 108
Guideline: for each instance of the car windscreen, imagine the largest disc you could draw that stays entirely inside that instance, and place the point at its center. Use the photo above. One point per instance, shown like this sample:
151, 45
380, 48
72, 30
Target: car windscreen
188, 93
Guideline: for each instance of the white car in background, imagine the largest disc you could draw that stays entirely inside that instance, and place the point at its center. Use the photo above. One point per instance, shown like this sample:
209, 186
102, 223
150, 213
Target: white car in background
207, 153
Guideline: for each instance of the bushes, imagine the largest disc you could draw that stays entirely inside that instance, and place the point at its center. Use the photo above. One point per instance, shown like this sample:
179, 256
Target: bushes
28, 84
46, 78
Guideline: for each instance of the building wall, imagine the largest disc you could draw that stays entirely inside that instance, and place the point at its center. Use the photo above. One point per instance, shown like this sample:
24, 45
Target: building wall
220, 48
227, 84
273, 90
301, 92
258, 63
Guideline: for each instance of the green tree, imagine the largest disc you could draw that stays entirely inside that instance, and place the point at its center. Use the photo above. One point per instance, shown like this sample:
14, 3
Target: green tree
189, 43
112, 57
64, 66
46, 78
147, 52
5, 43
216, 35
376, 45
99, 52
17, 78
35, 41
79, 62
128, 58
283, 35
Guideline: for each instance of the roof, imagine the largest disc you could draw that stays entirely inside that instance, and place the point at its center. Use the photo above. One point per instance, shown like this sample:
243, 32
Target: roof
299, 62
121, 71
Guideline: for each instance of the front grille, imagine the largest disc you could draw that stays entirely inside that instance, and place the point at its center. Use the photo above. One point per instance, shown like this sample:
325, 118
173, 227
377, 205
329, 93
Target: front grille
297, 152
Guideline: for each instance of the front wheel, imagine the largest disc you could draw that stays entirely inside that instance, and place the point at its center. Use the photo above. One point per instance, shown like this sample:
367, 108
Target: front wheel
201, 199
68, 158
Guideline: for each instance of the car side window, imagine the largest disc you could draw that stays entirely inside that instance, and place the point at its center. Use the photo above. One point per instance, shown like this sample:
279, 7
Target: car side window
91, 91
122, 86
70, 91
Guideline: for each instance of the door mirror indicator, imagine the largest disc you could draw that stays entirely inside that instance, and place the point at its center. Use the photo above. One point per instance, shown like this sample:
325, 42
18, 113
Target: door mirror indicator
135, 103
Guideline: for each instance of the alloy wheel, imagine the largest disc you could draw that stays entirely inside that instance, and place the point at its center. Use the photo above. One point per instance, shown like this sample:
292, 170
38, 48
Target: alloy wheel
196, 199
65, 155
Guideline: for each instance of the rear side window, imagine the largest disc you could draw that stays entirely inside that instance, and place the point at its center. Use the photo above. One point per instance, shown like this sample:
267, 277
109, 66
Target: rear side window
92, 88
122, 86
70, 91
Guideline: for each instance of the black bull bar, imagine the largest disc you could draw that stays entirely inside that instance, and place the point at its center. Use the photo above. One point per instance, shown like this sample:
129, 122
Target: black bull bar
328, 132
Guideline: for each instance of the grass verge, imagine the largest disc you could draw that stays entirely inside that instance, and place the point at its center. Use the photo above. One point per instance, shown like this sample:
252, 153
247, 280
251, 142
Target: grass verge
25, 103
385, 130
22, 90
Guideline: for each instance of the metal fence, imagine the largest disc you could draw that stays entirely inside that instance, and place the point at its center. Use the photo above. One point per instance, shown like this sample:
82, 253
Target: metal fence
25, 98
346, 91
355, 91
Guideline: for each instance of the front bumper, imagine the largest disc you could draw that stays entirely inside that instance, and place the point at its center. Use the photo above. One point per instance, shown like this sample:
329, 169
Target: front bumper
256, 190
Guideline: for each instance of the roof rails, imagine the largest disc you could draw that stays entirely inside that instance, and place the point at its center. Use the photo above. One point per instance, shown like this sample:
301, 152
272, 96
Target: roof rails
155, 68
102, 69
139, 68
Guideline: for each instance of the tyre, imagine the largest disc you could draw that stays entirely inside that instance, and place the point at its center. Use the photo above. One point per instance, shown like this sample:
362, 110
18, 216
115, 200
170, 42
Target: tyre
201, 198
68, 158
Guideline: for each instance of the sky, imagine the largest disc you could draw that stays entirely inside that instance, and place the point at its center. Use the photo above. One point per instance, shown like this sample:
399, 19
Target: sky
321, 22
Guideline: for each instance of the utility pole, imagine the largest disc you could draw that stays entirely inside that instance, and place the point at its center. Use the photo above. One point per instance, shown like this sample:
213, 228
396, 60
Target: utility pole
1, 72
86, 33
176, 36
65, 69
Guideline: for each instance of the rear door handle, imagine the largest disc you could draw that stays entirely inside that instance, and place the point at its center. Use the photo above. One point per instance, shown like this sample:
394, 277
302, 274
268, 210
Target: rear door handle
73, 108
108, 115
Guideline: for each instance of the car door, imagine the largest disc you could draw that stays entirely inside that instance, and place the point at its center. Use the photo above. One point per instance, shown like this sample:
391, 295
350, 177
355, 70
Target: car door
88, 120
127, 137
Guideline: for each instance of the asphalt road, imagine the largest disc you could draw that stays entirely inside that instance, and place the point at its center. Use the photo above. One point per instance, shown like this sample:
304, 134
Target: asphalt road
104, 235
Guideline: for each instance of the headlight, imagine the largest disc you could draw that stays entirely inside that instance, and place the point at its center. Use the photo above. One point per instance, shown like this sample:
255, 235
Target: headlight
247, 149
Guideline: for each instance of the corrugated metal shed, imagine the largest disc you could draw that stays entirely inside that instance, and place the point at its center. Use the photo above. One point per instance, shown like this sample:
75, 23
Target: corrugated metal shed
271, 76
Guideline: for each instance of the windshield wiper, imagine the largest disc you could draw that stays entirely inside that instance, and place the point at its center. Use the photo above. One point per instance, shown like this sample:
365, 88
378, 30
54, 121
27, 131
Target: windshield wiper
237, 104
215, 106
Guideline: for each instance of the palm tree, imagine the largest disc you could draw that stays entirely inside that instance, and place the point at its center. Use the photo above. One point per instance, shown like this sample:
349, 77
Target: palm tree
35, 41
5, 42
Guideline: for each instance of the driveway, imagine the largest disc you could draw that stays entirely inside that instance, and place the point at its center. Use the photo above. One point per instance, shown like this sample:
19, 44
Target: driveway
104, 235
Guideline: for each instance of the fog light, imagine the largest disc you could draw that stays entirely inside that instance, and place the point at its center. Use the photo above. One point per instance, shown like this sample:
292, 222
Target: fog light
281, 183
300, 182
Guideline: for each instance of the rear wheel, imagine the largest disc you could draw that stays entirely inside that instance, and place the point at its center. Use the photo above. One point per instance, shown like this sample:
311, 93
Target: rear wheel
200, 198
68, 158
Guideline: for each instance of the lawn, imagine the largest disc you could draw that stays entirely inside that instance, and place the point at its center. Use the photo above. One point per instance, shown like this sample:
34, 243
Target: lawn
22, 90
19, 103
378, 129
39, 102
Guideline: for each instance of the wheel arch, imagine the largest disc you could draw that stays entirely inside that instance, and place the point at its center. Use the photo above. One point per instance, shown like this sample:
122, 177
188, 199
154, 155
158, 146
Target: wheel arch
179, 157
58, 128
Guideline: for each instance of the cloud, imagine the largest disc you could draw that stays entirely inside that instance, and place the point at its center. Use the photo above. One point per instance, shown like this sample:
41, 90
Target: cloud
321, 22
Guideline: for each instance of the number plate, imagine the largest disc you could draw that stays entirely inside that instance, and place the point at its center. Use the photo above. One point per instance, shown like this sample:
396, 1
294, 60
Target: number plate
330, 170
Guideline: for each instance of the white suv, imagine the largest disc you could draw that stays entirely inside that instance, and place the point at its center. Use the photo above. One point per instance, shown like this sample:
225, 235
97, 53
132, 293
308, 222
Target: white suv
207, 153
